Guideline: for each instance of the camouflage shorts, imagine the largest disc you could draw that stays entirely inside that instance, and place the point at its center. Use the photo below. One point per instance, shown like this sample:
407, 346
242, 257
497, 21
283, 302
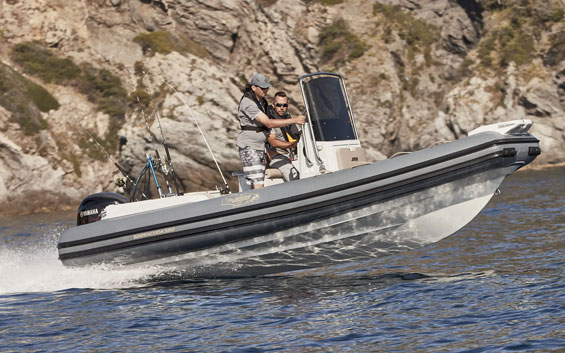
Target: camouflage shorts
253, 165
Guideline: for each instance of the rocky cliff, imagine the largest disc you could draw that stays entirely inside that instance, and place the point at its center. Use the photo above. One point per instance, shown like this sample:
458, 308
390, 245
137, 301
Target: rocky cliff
78, 76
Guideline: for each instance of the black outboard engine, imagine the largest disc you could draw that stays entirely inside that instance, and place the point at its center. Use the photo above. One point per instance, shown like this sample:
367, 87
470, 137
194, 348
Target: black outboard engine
92, 206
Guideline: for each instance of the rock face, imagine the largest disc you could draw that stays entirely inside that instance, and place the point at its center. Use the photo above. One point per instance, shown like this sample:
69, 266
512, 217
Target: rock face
422, 77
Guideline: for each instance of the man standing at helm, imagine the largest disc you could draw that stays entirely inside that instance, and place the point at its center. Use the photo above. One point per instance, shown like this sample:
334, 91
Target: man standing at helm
255, 127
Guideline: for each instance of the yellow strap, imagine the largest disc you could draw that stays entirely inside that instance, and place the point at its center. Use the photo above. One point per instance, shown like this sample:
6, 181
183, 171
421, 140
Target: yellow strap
290, 139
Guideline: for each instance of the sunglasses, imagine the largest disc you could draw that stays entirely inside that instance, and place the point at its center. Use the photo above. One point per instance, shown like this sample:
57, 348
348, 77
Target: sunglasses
281, 105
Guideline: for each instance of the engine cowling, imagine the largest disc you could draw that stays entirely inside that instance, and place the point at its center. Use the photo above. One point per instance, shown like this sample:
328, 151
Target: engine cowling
90, 209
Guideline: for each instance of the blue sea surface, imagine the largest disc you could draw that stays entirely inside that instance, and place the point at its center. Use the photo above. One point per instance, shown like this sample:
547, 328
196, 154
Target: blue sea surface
497, 285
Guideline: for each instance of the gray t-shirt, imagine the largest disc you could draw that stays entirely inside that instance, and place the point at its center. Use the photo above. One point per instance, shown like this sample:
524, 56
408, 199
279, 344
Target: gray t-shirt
246, 113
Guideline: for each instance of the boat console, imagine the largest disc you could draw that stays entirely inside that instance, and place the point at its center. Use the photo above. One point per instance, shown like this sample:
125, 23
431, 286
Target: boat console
329, 141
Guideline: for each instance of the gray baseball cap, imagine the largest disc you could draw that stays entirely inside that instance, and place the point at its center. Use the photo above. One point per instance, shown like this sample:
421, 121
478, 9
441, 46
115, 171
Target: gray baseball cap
260, 80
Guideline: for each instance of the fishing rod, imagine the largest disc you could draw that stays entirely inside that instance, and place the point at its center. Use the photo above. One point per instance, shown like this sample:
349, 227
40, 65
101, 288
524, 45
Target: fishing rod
119, 182
168, 159
149, 161
226, 189
165, 164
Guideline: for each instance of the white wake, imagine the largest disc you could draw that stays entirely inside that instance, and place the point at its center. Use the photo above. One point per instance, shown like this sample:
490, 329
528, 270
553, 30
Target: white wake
30, 264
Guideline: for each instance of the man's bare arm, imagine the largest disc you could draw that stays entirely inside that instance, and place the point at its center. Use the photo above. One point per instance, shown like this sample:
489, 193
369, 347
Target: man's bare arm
280, 144
273, 123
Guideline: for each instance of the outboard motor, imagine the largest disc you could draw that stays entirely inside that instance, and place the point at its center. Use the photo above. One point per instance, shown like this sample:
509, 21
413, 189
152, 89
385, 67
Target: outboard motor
91, 207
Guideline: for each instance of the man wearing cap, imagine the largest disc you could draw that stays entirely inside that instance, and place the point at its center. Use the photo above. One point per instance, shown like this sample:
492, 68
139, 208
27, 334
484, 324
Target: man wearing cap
255, 127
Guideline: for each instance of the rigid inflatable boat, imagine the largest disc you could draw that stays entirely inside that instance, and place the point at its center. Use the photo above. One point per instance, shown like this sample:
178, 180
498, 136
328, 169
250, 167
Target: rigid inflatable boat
343, 209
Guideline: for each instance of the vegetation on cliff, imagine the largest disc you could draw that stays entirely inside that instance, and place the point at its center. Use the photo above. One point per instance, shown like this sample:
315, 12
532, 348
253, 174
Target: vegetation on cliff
516, 34
102, 88
37, 61
338, 44
164, 42
395, 24
25, 100
419, 35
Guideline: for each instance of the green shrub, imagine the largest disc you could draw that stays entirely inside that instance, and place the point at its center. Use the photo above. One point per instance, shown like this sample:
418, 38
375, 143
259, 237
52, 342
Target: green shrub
75, 161
4, 81
339, 45
139, 69
518, 29
418, 34
38, 61
493, 5
520, 49
330, 2
428, 56
505, 45
158, 42
106, 91
111, 138
187, 45
557, 15
265, 3
28, 118
486, 46
24, 100
139, 98
88, 146
41, 97
465, 68
413, 86
101, 87
164, 42
65, 152
556, 53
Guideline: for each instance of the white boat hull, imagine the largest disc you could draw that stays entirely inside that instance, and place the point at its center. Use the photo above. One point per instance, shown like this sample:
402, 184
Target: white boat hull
400, 224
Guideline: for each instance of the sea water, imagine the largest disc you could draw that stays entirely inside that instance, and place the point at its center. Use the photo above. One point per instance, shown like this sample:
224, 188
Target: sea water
496, 285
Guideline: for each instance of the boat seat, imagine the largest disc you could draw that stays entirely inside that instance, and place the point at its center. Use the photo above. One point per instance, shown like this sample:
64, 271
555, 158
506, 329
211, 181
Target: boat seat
273, 173
349, 158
